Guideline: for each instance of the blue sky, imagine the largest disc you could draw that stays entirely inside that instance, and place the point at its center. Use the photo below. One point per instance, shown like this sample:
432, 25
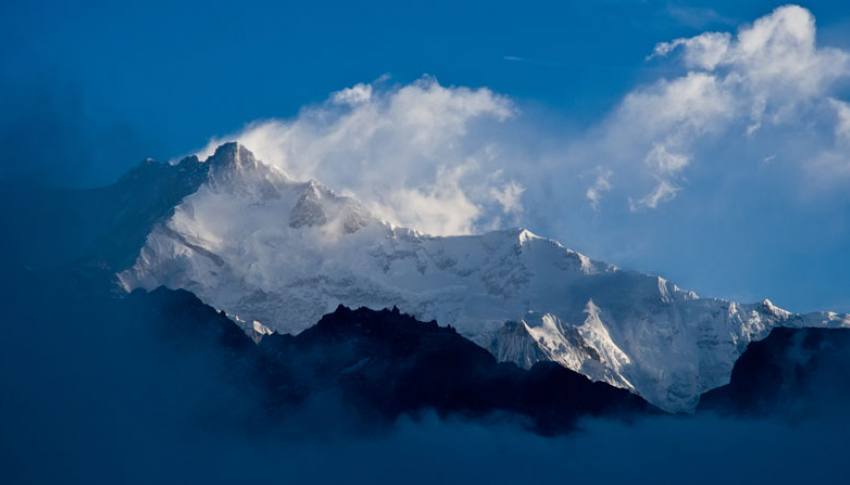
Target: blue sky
102, 85
177, 74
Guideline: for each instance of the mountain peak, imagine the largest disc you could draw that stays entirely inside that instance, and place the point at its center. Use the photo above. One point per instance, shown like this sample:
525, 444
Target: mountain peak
231, 153
234, 169
524, 236
190, 160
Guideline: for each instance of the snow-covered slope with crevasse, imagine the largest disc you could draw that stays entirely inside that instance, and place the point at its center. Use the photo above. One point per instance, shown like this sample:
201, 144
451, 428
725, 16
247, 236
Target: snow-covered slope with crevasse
281, 253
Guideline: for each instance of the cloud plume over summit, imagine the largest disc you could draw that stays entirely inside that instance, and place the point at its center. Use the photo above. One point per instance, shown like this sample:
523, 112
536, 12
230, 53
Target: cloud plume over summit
415, 154
438, 157
761, 110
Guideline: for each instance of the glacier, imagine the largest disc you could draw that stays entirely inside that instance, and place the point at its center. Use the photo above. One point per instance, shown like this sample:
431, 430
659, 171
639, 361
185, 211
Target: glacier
281, 253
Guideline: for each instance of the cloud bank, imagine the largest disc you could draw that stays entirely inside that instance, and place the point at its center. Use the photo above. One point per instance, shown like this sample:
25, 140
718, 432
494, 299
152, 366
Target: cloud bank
456, 160
770, 76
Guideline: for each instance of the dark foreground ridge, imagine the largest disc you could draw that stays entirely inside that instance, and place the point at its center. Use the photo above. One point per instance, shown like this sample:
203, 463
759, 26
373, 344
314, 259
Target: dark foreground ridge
385, 364
799, 373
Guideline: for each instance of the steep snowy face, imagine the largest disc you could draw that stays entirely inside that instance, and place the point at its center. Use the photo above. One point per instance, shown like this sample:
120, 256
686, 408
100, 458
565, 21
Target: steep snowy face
280, 253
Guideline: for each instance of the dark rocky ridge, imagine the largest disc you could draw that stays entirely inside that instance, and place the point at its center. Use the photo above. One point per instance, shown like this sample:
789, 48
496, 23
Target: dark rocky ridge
794, 372
384, 364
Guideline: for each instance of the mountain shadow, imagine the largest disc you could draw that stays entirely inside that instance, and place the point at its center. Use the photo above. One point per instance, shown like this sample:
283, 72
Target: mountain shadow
103, 226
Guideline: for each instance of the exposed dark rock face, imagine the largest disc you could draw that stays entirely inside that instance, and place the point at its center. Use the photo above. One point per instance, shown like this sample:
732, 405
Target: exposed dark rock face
794, 372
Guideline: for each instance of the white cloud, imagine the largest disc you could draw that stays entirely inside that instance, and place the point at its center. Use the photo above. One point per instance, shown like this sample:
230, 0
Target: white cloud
357, 94
415, 154
775, 61
509, 197
665, 162
833, 162
704, 51
842, 115
597, 189
771, 76
455, 160
663, 192
439, 208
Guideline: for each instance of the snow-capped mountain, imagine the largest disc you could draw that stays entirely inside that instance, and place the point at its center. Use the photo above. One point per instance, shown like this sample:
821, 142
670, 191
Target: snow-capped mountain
280, 253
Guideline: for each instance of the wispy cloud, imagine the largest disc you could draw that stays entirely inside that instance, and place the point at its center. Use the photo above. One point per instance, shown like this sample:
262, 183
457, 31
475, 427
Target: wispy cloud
698, 17
535, 62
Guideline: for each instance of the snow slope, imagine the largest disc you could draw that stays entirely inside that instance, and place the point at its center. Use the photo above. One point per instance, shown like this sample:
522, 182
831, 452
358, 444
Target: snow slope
281, 253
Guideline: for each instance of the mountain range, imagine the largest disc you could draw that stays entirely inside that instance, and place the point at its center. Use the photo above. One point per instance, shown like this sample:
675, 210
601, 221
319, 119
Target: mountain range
277, 254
